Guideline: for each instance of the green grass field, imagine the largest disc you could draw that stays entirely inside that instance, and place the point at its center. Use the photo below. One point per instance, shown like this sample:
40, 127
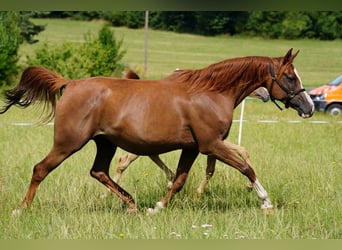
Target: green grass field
298, 161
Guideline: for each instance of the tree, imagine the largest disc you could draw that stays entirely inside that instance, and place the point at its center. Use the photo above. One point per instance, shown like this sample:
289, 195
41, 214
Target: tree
265, 23
178, 21
28, 29
99, 55
325, 25
15, 28
9, 45
294, 25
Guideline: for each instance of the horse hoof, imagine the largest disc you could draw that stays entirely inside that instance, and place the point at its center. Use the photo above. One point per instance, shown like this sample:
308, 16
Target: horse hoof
151, 211
268, 211
17, 212
199, 192
266, 204
267, 207
132, 210
169, 185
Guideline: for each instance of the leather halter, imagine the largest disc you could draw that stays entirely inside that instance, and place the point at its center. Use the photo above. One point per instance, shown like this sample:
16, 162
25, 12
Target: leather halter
290, 94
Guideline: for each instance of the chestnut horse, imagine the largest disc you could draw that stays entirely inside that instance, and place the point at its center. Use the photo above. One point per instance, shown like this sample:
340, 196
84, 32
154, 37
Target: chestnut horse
125, 160
191, 110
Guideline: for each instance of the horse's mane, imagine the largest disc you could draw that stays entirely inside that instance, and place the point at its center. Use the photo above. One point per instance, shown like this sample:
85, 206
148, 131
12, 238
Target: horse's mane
229, 73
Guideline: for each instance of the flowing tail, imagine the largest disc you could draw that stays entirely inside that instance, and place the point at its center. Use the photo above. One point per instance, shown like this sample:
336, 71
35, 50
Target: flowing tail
36, 84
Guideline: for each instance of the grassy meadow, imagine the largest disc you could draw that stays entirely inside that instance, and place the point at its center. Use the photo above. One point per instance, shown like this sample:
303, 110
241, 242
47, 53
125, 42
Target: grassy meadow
299, 162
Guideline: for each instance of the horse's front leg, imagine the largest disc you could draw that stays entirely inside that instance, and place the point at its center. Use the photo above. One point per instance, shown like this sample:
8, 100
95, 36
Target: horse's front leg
186, 160
238, 158
100, 170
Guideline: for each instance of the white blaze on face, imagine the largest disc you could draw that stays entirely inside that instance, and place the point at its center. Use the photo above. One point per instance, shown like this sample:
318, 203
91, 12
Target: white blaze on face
301, 86
297, 75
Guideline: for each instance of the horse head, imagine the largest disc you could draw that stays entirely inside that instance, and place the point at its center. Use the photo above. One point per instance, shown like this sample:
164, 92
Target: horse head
286, 86
261, 93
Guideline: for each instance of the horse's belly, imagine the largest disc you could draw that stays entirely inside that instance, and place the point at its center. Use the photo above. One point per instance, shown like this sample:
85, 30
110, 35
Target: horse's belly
143, 147
152, 140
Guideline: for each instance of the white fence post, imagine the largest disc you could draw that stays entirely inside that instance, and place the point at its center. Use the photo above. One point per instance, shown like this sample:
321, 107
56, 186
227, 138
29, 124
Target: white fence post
241, 121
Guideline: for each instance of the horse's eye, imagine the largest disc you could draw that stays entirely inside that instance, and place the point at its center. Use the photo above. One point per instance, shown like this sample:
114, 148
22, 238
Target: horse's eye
291, 77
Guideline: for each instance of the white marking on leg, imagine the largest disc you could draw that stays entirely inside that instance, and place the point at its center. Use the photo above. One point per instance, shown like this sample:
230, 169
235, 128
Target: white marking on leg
159, 206
262, 195
169, 185
17, 212
260, 190
202, 185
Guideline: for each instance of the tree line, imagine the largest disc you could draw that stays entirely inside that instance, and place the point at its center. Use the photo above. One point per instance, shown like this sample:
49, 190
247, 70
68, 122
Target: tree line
323, 25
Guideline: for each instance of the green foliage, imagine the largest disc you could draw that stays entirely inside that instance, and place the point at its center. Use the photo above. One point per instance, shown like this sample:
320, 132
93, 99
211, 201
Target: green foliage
62, 59
15, 28
104, 53
213, 23
324, 25
75, 15
135, 20
99, 55
265, 24
29, 29
116, 18
294, 25
178, 21
9, 45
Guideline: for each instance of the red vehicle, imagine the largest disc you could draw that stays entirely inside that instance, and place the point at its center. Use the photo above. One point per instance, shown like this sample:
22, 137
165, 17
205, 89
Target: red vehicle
328, 97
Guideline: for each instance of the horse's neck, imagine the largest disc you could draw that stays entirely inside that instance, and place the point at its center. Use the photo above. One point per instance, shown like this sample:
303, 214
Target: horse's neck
240, 77
241, 92
235, 78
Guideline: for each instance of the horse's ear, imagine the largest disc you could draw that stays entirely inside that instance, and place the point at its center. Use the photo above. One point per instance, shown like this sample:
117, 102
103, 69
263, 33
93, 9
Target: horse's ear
288, 57
294, 55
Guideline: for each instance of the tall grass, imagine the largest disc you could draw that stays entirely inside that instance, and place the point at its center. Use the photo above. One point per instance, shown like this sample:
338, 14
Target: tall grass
299, 164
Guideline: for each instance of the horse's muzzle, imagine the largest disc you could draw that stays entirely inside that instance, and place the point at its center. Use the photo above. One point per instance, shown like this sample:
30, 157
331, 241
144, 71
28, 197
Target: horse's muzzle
306, 114
303, 104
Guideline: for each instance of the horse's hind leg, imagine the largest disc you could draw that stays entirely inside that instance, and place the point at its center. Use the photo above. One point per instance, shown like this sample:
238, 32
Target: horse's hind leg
123, 163
169, 174
242, 153
40, 171
100, 170
211, 162
209, 172
238, 158
127, 159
